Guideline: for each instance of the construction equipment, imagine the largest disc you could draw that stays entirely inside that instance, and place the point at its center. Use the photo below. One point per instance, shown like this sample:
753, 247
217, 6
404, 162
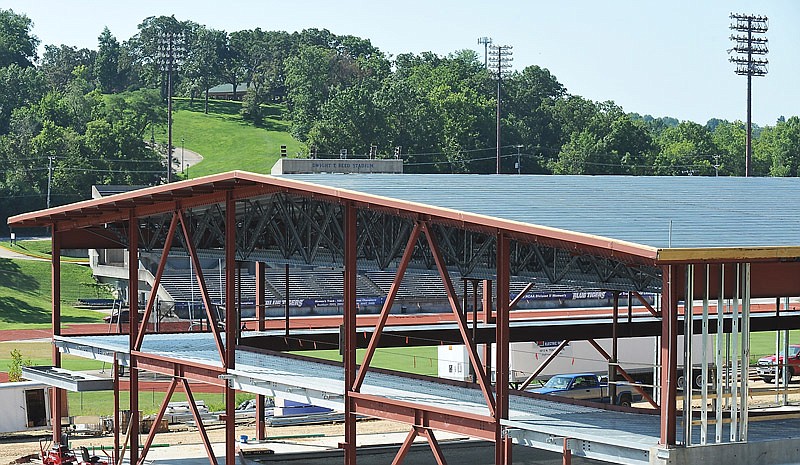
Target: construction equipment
61, 454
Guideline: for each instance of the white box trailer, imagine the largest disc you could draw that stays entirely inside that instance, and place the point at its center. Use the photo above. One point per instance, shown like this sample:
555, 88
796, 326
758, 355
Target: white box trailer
26, 406
638, 356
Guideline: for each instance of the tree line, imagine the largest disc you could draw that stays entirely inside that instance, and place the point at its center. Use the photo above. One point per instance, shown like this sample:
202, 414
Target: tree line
92, 112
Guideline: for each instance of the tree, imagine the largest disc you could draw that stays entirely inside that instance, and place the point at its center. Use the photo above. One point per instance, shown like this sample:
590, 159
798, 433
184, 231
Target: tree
59, 62
779, 146
106, 64
17, 44
687, 149
530, 119
730, 139
15, 366
18, 87
203, 61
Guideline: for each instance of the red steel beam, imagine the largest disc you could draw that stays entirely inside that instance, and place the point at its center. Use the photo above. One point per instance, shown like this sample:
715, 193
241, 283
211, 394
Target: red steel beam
349, 323
201, 428
646, 304
152, 434
212, 320
162, 263
387, 306
231, 327
669, 357
115, 377
410, 413
544, 364
462, 326
261, 424
405, 447
434, 444
520, 296
167, 366
624, 374
502, 442
133, 317
57, 395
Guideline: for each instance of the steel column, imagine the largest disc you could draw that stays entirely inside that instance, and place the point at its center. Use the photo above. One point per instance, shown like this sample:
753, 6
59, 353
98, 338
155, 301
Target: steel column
133, 325
350, 342
57, 395
688, 363
115, 376
614, 359
502, 442
669, 357
231, 327
718, 358
261, 424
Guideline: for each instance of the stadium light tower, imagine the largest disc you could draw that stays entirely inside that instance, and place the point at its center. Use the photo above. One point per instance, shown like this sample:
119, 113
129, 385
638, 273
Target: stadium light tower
750, 49
170, 55
500, 61
486, 42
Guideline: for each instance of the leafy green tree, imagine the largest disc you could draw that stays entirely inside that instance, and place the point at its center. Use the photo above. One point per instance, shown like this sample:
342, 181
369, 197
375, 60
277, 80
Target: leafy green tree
106, 64
730, 139
203, 61
780, 147
16, 364
18, 87
687, 149
17, 44
530, 118
59, 62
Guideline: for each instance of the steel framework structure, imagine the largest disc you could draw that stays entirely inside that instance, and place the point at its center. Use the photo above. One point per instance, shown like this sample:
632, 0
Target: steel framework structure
241, 216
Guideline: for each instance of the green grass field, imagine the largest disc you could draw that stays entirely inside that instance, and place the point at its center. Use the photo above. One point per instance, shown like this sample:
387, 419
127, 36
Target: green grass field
418, 360
39, 249
225, 140
25, 298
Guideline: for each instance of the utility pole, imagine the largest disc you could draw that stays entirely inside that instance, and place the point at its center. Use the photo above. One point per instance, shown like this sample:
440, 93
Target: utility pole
750, 49
519, 165
49, 177
486, 42
170, 55
500, 58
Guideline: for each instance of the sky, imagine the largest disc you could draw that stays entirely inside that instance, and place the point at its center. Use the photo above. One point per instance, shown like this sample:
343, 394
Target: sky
663, 58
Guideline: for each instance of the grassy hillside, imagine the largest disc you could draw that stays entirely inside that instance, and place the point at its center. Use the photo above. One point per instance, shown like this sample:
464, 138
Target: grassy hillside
25, 294
225, 140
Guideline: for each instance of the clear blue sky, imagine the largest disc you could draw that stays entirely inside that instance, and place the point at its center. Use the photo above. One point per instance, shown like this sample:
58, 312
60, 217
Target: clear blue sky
664, 58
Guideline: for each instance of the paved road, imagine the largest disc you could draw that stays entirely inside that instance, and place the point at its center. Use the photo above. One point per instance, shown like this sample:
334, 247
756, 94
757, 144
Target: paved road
13, 254
185, 158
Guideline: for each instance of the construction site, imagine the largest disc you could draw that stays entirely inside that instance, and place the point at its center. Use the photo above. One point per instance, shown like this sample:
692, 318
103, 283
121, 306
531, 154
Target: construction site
277, 264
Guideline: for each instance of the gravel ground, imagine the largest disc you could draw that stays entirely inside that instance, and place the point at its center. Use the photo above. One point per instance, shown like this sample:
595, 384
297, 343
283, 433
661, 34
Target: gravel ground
18, 446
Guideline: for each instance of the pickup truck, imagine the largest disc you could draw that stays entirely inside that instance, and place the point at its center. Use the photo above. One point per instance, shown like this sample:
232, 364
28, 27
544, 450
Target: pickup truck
587, 386
766, 365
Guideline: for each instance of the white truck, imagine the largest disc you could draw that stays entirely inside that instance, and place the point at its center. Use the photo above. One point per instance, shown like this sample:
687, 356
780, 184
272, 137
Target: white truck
638, 356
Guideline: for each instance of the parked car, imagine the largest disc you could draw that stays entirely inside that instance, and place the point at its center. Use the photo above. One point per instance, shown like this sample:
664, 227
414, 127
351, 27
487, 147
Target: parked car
587, 386
767, 366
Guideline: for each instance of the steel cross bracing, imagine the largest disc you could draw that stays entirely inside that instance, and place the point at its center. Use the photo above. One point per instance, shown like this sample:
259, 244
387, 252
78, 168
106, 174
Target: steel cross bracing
301, 231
